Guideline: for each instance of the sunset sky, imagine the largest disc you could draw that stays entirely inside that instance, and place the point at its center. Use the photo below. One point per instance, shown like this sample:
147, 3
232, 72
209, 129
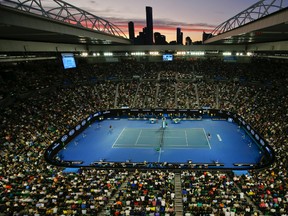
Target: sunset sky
192, 16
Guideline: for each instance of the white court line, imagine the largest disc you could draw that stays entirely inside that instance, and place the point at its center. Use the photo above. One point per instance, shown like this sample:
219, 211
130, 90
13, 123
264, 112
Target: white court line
219, 137
138, 138
159, 156
142, 129
148, 146
180, 129
206, 138
193, 128
118, 137
185, 147
167, 129
186, 138
150, 137
165, 137
182, 145
143, 146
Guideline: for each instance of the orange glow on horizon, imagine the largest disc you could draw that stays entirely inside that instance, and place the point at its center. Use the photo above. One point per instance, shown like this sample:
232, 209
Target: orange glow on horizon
195, 32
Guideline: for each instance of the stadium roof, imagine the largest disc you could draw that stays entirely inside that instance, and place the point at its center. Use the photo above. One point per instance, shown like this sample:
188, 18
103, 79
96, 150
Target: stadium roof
63, 23
26, 26
265, 21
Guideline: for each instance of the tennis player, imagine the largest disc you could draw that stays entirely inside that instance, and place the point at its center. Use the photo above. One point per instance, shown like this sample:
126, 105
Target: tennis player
110, 128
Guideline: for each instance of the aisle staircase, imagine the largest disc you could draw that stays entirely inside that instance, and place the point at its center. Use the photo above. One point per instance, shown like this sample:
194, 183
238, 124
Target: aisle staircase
197, 95
176, 94
178, 195
136, 94
116, 95
217, 96
236, 94
156, 94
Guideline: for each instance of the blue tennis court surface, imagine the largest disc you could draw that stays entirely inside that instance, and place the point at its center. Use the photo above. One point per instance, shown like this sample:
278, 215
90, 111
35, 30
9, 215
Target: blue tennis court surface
139, 141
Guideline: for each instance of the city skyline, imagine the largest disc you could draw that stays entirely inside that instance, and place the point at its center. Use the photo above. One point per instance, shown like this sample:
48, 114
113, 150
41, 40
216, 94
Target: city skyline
193, 17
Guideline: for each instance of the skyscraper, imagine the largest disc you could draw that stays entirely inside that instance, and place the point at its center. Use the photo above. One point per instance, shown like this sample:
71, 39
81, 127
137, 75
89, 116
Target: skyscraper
149, 25
131, 31
179, 36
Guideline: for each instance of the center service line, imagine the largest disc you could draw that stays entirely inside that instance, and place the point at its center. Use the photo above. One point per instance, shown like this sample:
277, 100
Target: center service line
219, 138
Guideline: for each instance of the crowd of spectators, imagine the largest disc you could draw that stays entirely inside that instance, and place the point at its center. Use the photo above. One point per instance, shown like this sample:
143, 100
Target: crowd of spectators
40, 102
206, 192
147, 192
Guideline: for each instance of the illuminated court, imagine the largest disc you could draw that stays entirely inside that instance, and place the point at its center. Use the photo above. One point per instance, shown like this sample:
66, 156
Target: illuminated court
204, 141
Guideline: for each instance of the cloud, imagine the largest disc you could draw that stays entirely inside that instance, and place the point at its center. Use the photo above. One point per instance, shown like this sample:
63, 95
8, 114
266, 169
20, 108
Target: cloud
167, 22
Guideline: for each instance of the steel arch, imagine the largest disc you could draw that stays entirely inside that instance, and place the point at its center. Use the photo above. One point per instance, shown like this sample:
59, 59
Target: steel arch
258, 10
65, 12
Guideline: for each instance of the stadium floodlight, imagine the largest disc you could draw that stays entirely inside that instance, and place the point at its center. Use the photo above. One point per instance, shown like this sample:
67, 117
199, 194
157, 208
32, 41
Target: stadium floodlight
84, 54
227, 53
108, 54
154, 53
181, 53
197, 53
138, 53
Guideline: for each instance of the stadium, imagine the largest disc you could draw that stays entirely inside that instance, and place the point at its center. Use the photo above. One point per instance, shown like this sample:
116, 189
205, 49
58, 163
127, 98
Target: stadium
92, 124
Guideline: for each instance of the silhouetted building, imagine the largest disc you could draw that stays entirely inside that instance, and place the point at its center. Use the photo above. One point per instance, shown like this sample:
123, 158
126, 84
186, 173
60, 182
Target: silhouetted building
149, 25
159, 39
179, 36
146, 36
197, 42
188, 41
205, 36
131, 31
173, 42
141, 39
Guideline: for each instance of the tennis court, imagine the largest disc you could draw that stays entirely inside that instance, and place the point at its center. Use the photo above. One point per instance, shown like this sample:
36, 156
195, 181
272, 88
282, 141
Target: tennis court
162, 137
138, 141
